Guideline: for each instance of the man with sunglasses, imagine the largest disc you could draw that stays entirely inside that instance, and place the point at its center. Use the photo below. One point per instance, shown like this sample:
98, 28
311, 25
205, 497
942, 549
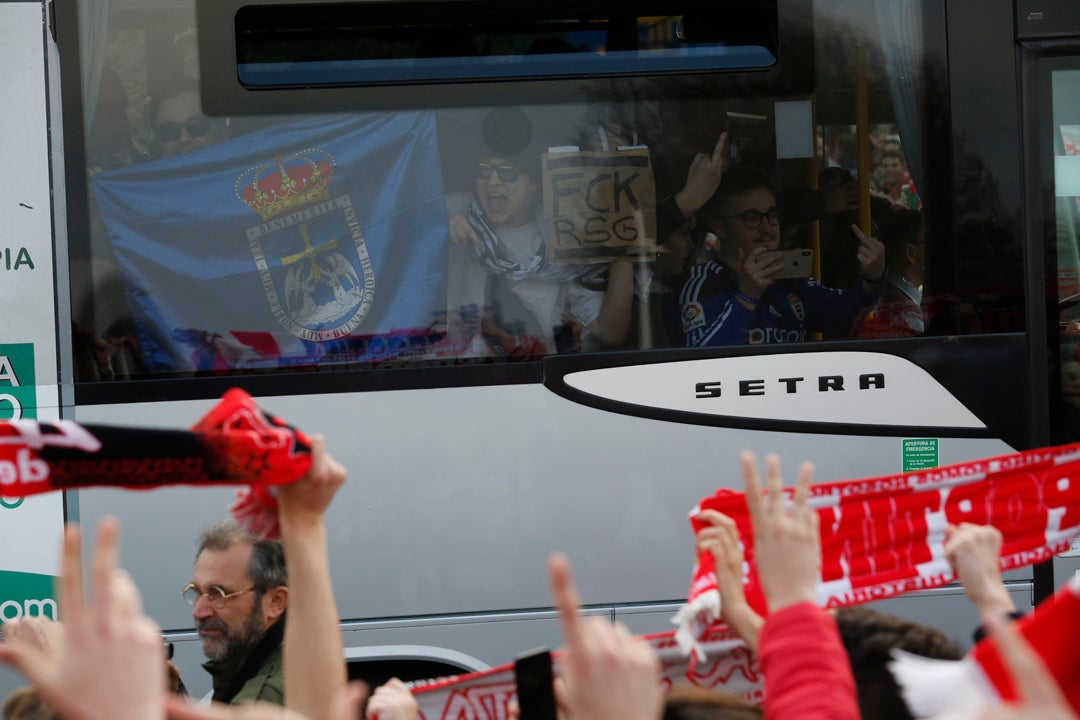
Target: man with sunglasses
180, 126
499, 271
238, 596
738, 299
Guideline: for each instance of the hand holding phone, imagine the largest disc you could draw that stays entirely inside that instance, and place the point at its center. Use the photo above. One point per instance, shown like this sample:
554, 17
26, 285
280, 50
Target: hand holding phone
798, 263
535, 685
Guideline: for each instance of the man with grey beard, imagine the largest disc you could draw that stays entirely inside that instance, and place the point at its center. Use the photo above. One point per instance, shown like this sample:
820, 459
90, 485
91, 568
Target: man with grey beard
239, 595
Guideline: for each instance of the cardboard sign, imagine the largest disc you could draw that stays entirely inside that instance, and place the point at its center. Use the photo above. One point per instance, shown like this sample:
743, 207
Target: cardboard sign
598, 206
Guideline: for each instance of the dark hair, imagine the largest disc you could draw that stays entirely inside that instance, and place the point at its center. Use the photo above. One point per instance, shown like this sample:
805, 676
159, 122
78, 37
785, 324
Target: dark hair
832, 176
507, 133
267, 567
898, 228
869, 638
26, 704
738, 181
688, 702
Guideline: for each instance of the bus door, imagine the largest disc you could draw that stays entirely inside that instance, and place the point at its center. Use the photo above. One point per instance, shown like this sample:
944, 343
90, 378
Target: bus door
1050, 39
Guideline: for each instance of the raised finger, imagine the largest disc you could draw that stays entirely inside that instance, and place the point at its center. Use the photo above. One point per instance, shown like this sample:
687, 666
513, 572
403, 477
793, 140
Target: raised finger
715, 517
104, 562
70, 584
753, 488
858, 233
774, 484
718, 151
567, 601
126, 599
803, 483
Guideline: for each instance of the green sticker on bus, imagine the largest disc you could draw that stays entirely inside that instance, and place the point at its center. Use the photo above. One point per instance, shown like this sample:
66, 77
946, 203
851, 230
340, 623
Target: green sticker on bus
26, 595
18, 385
920, 453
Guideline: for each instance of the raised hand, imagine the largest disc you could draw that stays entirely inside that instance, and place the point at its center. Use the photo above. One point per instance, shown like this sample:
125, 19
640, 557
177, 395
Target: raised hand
871, 256
702, 179
108, 662
605, 673
786, 542
721, 539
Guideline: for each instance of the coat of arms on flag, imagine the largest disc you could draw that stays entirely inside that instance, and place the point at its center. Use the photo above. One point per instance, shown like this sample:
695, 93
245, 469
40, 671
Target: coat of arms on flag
324, 283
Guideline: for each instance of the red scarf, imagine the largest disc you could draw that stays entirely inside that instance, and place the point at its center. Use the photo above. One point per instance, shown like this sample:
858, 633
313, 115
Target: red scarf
236, 443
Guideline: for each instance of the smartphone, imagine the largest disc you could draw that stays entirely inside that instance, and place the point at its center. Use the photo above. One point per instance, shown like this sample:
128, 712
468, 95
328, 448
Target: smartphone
797, 263
535, 691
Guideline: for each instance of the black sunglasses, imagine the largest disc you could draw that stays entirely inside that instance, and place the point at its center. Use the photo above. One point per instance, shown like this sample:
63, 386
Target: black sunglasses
506, 173
196, 126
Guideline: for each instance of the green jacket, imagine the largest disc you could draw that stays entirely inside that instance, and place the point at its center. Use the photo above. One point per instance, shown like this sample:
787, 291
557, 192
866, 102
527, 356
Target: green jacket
258, 675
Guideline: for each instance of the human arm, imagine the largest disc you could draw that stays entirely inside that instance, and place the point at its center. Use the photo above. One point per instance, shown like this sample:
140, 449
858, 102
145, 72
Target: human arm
613, 321
720, 538
1040, 695
313, 652
871, 257
801, 654
702, 179
605, 673
974, 551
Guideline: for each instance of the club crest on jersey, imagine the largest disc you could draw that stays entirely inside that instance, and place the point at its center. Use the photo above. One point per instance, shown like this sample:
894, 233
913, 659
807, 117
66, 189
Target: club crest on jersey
693, 317
796, 305
309, 250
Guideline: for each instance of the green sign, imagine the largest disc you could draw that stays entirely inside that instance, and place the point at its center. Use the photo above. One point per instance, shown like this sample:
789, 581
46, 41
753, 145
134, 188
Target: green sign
26, 595
920, 453
18, 385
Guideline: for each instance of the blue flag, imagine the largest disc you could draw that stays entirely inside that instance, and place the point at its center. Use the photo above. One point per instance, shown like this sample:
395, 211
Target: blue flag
319, 240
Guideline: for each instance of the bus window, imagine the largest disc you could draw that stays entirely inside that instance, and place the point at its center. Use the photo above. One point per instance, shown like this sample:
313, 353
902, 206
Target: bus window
535, 203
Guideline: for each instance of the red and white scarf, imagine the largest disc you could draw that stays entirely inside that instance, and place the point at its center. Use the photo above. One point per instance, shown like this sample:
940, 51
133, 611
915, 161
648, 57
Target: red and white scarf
881, 537
485, 695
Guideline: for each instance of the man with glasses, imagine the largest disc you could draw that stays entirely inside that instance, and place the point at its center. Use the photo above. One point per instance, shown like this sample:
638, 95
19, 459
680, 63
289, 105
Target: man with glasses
238, 594
738, 299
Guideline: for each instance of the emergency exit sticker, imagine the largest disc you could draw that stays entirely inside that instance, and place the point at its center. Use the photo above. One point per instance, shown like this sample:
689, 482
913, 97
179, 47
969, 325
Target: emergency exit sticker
920, 453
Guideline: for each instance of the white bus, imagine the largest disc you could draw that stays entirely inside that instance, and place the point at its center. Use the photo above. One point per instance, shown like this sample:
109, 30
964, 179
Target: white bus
259, 194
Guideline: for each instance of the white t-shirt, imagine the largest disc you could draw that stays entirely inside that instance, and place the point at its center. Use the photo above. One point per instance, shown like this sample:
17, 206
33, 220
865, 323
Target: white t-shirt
528, 306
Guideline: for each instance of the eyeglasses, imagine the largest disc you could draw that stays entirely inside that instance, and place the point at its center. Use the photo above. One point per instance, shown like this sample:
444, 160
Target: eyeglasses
196, 126
506, 173
216, 596
752, 218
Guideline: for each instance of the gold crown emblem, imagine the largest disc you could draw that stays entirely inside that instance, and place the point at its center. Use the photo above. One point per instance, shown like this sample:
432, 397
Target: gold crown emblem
288, 183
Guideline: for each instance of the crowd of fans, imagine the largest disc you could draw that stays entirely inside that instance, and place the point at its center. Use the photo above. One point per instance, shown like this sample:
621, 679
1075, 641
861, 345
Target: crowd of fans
722, 216
106, 659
